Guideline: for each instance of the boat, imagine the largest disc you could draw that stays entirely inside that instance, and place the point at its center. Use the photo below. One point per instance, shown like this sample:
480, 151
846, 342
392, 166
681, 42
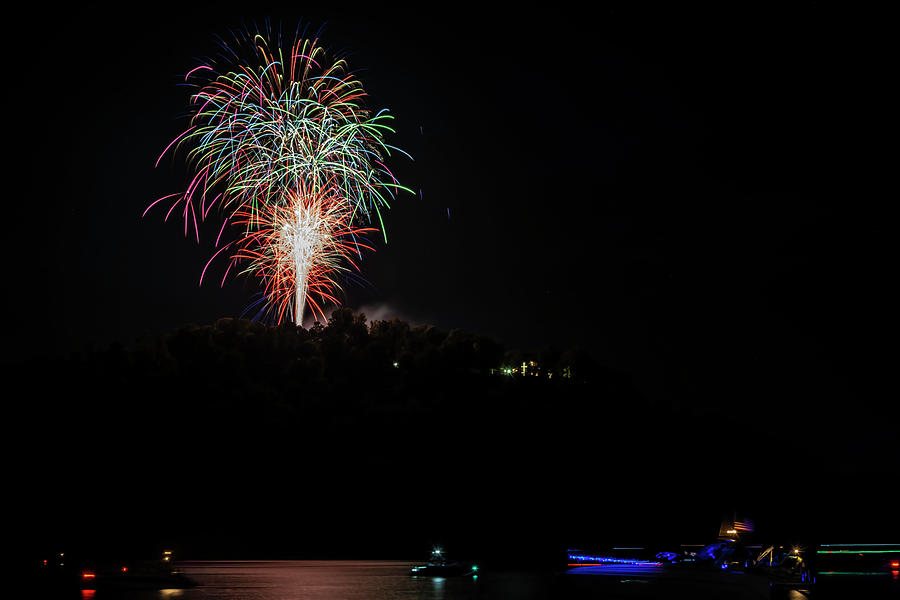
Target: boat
439, 566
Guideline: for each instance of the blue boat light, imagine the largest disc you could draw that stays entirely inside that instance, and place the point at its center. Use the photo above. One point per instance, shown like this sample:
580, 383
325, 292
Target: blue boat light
584, 558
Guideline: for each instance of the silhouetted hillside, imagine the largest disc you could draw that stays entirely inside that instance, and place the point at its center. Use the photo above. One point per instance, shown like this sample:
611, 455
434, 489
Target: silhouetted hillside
237, 432
385, 386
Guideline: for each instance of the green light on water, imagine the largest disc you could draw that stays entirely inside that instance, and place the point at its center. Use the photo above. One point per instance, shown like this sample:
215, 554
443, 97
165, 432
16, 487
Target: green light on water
854, 545
857, 551
857, 573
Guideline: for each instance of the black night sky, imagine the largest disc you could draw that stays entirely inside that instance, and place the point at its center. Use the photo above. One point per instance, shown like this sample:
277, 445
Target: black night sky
700, 197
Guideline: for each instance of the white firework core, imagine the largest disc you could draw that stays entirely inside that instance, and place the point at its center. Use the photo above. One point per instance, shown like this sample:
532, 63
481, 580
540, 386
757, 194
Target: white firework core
303, 239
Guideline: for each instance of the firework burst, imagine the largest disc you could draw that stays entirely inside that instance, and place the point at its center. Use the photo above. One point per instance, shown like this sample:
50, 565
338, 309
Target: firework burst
281, 145
298, 246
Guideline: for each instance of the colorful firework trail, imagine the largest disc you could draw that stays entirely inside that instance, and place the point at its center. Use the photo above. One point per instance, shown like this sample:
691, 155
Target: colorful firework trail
298, 245
282, 146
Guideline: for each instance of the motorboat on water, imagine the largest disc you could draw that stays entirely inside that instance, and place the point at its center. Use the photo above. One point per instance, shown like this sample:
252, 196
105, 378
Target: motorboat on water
439, 566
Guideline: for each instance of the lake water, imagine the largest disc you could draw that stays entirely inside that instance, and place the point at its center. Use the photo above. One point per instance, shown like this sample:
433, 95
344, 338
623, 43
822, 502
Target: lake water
332, 580
316, 580
391, 580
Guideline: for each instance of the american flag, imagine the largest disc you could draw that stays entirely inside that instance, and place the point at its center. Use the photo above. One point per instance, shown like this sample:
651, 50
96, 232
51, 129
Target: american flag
745, 525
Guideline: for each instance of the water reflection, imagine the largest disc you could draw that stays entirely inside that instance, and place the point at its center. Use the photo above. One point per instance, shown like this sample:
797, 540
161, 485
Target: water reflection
320, 580
391, 580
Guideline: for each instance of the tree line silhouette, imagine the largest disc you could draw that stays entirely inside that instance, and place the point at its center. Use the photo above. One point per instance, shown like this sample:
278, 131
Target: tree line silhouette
217, 414
385, 386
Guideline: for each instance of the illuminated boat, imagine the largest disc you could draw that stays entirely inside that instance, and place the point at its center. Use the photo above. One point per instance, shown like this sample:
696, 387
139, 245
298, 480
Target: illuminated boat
583, 561
439, 566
